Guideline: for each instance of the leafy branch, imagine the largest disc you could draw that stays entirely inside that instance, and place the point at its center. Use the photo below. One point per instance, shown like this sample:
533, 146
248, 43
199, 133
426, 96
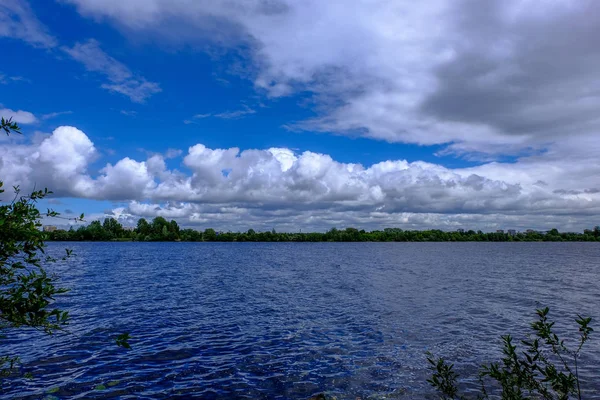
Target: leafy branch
9, 126
27, 291
542, 370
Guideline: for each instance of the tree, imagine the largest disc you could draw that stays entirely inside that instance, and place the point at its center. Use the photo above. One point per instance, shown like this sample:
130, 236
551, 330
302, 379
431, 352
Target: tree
27, 290
143, 227
112, 228
209, 234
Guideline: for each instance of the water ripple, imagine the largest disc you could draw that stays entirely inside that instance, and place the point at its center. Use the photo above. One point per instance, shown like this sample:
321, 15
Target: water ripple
289, 320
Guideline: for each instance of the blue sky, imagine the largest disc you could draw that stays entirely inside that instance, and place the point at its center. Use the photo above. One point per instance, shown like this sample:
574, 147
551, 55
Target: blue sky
353, 115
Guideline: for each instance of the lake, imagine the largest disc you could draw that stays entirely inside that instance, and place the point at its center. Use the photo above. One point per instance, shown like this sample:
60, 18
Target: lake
290, 320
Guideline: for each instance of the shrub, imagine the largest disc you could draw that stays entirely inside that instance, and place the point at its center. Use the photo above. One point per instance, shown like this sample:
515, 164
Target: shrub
546, 369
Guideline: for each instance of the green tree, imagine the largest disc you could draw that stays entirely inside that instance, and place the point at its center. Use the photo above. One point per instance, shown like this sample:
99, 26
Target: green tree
27, 290
143, 227
209, 235
112, 228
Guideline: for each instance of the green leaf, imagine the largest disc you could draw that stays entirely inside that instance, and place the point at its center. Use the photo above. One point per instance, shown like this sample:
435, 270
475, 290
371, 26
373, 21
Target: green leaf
122, 340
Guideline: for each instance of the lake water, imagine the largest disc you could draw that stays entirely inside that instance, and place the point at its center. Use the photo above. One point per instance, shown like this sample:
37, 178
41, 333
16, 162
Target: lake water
289, 320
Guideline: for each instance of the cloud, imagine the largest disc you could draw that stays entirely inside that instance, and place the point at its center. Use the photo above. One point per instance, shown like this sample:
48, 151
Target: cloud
230, 188
18, 21
5, 80
173, 153
129, 113
494, 77
56, 114
237, 114
121, 79
138, 91
20, 116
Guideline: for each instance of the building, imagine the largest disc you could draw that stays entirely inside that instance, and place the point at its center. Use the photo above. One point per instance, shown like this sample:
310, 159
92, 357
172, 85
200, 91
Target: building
460, 230
500, 231
49, 228
512, 232
529, 231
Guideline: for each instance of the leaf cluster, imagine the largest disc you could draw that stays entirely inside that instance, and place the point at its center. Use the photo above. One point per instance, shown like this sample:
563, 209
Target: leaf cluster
9, 126
547, 369
27, 291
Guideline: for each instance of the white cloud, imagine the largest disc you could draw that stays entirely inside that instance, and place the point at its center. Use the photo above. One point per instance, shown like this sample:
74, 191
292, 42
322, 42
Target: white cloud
5, 80
173, 153
19, 116
236, 114
122, 80
493, 77
56, 114
479, 78
18, 21
230, 188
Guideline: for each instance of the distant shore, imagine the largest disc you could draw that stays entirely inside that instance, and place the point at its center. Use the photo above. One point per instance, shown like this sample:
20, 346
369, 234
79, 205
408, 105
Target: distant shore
161, 230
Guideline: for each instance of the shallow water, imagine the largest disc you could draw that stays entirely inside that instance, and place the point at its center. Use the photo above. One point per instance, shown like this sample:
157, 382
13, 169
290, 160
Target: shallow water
289, 320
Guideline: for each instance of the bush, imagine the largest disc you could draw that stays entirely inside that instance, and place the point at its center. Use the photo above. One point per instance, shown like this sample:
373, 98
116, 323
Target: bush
547, 369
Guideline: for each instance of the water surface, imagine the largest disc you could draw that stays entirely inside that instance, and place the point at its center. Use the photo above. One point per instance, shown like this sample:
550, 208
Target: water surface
289, 320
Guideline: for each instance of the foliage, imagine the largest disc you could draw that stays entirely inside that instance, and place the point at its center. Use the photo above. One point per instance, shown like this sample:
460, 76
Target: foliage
547, 369
122, 340
9, 126
27, 291
159, 229
443, 377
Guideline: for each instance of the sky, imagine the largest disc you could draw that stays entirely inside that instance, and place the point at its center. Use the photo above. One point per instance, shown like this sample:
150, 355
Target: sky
312, 114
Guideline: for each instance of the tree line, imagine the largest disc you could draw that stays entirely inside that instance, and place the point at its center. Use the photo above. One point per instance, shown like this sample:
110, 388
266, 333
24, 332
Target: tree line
161, 230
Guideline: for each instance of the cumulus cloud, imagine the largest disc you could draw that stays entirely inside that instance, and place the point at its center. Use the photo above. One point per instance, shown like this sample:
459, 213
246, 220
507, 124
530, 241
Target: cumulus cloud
477, 79
19, 116
493, 77
121, 79
230, 188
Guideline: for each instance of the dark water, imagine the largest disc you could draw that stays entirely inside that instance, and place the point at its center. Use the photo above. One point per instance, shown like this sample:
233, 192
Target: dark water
241, 320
